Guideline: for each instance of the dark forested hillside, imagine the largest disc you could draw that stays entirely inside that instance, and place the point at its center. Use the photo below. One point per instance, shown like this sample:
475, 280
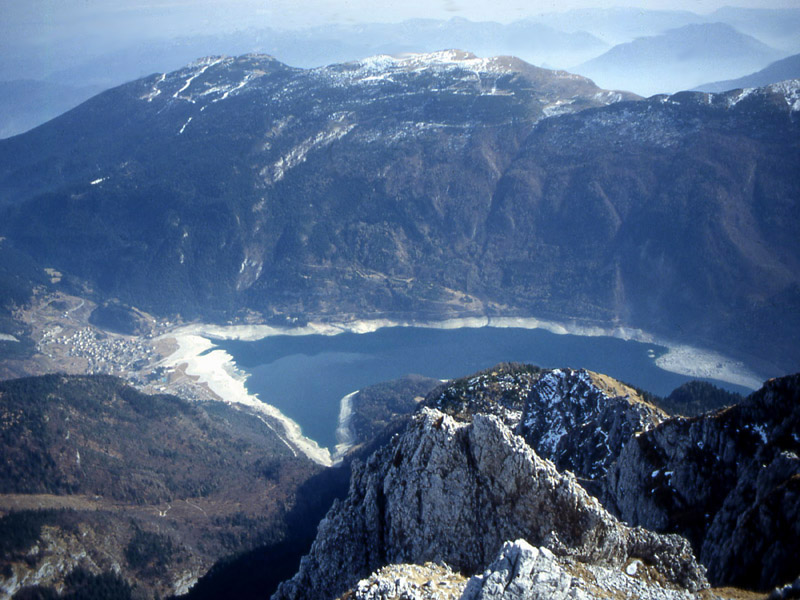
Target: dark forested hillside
102, 478
423, 187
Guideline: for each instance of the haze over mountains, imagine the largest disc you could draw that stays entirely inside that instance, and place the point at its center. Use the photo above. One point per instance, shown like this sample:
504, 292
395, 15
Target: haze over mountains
557, 40
780, 70
654, 64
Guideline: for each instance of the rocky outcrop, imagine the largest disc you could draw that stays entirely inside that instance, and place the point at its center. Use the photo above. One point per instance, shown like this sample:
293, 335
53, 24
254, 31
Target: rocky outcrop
454, 492
523, 572
501, 391
729, 481
410, 582
578, 419
581, 420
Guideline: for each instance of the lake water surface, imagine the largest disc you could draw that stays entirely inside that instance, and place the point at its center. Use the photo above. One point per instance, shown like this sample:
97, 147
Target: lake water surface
306, 376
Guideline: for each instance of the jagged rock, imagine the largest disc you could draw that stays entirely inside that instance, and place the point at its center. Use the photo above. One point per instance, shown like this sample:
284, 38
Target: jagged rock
410, 582
729, 481
454, 492
581, 420
523, 572
786, 592
501, 390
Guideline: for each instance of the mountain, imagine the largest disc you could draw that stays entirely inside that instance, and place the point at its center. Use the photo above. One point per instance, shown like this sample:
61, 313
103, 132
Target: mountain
101, 485
678, 59
422, 187
306, 111
728, 481
780, 70
452, 492
58, 77
461, 504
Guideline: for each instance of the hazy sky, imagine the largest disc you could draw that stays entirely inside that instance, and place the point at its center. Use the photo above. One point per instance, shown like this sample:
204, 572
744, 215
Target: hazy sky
59, 17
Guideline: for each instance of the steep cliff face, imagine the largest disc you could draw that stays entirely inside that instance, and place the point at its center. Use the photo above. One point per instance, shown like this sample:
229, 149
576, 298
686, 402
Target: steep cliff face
581, 420
578, 419
455, 492
501, 391
729, 481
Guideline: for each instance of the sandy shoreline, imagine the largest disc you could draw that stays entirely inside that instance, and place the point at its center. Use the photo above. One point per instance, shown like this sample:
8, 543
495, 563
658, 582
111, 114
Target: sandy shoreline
344, 436
217, 370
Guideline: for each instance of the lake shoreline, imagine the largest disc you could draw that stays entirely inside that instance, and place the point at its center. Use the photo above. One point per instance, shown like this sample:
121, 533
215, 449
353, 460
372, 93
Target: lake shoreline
217, 369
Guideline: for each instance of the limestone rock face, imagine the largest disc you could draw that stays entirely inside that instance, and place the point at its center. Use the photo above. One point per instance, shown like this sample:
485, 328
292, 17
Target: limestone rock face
501, 391
729, 481
410, 582
523, 572
581, 420
452, 492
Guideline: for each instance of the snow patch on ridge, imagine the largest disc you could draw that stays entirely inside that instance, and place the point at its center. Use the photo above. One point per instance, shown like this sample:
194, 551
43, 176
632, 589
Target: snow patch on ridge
735, 99
204, 65
790, 89
381, 67
156, 90
297, 155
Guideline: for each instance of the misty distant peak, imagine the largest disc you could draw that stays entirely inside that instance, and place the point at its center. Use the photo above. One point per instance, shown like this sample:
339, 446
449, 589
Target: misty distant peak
667, 62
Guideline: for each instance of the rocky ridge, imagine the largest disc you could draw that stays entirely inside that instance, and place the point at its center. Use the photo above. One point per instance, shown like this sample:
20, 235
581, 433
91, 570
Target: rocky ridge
581, 420
409, 582
455, 492
578, 419
500, 391
728, 480
523, 572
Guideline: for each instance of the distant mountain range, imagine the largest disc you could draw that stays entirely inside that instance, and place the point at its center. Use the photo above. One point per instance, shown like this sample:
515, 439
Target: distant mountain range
781, 70
556, 40
776, 27
423, 187
678, 59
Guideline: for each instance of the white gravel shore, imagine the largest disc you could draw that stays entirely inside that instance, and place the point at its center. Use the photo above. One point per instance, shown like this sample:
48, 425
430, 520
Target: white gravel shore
216, 368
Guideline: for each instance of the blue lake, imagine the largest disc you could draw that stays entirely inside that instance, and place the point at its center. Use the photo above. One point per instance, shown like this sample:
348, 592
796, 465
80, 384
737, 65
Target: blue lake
305, 377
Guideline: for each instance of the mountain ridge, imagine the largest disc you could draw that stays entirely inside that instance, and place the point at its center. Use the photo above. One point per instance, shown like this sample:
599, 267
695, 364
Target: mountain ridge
412, 499
781, 70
